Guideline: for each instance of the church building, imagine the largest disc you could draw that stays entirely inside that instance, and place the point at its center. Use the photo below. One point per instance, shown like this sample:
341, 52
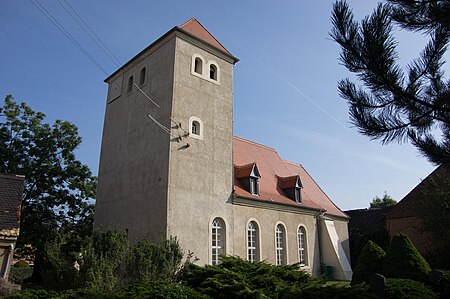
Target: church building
170, 165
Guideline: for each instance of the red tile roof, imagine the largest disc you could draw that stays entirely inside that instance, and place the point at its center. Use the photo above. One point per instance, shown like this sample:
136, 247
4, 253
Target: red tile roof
194, 27
11, 188
271, 168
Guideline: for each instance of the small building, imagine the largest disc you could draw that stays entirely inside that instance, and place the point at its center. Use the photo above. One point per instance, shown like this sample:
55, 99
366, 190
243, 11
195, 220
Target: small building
11, 188
364, 225
171, 166
406, 216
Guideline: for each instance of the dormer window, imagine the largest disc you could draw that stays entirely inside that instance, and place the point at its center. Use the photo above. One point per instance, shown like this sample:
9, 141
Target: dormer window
298, 195
292, 187
254, 185
248, 175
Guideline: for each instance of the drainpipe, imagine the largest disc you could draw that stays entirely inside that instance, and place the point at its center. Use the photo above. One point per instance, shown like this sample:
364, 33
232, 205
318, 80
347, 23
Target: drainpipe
319, 236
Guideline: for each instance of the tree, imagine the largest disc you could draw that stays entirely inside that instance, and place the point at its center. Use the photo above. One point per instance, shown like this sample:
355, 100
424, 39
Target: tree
58, 189
370, 261
403, 260
385, 201
411, 104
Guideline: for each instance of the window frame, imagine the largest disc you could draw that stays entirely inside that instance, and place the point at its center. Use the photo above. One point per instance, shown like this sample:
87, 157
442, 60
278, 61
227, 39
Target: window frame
130, 84
280, 245
198, 135
143, 76
253, 242
218, 240
302, 242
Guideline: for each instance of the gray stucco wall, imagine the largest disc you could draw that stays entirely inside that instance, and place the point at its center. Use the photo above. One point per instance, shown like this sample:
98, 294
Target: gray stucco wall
200, 176
133, 170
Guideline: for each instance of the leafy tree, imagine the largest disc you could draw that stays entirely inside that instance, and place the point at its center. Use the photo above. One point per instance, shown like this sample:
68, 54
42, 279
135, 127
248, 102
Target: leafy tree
58, 188
411, 104
403, 260
434, 210
370, 261
385, 201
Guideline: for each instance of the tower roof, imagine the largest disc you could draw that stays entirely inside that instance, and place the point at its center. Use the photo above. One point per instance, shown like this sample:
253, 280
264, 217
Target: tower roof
191, 28
194, 27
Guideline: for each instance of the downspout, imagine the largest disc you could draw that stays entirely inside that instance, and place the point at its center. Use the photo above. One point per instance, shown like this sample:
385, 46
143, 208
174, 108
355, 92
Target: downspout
319, 236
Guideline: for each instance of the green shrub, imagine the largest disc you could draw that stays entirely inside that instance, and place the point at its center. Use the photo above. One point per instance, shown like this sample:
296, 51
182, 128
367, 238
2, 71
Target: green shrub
403, 260
20, 274
370, 261
149, 261
154, 290
407, 289
21, 264
159, 290
58, 271
237, 278
102, 259
355, 292
443, 287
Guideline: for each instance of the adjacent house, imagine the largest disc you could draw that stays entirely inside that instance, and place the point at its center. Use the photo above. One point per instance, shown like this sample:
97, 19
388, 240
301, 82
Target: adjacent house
406, 216
11, 188
171, 166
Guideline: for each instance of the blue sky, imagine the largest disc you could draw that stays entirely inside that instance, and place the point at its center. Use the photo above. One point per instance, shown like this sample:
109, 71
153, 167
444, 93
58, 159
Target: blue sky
285, 93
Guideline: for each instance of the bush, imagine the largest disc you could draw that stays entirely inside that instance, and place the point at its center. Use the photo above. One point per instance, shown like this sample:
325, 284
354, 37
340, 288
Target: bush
237, 278
149, 261
21, 264
20, 274
403, 260
155, 290
102, 259
370, 261
407, 289
355, 292
443, 287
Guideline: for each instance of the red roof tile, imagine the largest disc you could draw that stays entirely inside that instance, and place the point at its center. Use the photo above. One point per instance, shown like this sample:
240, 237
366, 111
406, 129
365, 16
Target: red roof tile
195, 28
11, 188
271, 167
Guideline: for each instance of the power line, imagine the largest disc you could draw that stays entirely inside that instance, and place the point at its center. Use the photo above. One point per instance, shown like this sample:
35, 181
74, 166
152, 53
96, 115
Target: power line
61, 28
94, 37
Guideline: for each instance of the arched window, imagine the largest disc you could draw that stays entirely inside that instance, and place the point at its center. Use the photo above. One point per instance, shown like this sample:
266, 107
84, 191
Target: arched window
130, 84
218, 238
142, 77
198, 66
195, 129
280, 240
302, 245
253, 242
213, 72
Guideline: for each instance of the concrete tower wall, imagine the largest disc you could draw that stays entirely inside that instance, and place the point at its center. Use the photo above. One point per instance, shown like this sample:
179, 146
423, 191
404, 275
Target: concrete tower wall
200, 176
133, 171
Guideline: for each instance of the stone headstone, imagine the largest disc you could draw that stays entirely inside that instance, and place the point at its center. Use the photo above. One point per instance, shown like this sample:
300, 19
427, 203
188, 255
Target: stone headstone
435, 276
377, 284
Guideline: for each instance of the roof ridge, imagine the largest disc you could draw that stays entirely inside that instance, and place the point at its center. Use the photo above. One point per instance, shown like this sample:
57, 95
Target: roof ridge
194, 19
255, 143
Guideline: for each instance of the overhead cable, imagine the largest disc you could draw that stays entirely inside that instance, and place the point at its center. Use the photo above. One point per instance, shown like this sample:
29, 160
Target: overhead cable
88, 30
61, 28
